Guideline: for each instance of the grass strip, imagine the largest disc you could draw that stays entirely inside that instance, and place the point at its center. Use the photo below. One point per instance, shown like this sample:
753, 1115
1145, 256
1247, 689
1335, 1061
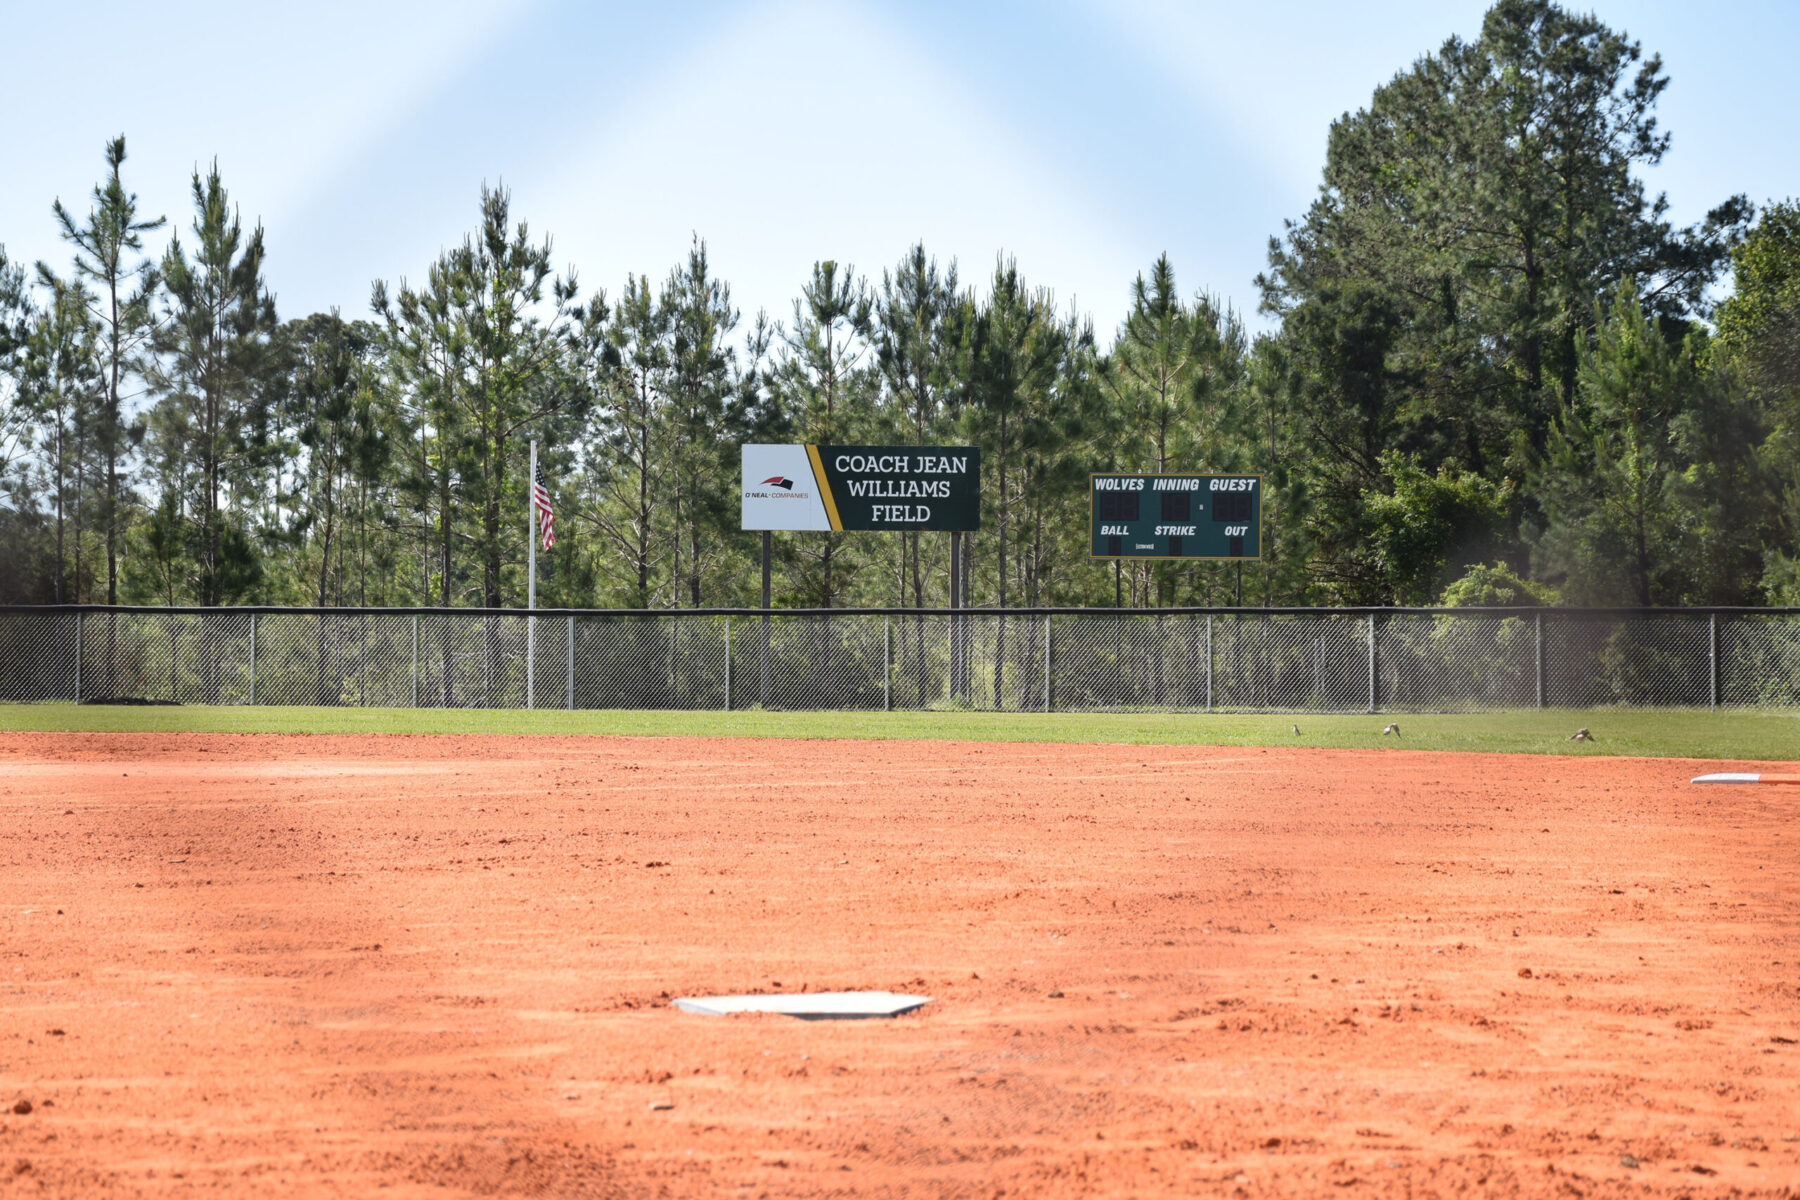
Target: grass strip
1746, 734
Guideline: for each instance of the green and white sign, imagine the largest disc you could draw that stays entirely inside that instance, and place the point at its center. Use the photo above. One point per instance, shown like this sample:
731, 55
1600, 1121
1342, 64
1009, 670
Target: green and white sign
896, 488
1175, 516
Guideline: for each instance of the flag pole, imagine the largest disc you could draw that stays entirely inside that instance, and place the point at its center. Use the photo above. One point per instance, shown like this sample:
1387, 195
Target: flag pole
531, 581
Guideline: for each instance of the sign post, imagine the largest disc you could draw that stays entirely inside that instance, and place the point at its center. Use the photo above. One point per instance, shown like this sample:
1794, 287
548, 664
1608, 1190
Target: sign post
956, 630
766, 536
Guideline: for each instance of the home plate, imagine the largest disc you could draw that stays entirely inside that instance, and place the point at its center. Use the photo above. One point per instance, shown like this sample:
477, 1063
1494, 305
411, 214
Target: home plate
1741, 777
813, 1006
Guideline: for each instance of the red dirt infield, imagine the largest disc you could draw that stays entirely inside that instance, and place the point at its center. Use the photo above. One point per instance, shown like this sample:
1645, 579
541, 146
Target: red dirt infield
442, 966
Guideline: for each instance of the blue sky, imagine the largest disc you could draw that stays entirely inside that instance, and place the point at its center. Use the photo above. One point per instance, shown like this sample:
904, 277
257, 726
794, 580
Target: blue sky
1083, 137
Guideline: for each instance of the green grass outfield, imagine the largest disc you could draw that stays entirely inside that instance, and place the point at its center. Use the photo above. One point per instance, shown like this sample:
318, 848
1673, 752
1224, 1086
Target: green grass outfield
1685, 733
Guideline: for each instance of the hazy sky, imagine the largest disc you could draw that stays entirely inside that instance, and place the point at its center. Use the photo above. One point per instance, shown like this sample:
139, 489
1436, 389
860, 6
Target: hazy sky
1083, 138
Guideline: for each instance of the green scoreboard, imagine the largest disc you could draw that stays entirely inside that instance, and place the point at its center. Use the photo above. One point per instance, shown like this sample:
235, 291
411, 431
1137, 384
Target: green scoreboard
1175, 516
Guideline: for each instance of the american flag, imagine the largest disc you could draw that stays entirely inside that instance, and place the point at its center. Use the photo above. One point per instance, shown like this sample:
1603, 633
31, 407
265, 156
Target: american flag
540, 499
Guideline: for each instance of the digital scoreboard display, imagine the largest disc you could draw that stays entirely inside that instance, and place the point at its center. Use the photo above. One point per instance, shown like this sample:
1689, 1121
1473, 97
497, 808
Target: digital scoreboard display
1175, 516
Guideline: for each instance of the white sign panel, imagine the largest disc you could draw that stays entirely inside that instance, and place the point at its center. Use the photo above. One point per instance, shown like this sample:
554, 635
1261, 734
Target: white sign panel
780, 490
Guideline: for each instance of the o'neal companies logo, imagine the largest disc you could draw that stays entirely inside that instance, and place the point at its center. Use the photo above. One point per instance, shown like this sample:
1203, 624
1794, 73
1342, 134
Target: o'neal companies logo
782, 489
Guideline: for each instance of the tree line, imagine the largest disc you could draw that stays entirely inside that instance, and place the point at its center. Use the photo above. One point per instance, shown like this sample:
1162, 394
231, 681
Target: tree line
1496, 373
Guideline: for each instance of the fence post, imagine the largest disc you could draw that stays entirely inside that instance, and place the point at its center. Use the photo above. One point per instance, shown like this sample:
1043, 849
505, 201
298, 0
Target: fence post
78, 616
1540, 662
252, 658
415, 656
887, 663
1372, 696
570, 705
727, 661
1712, 661
1049, 699
1209, 663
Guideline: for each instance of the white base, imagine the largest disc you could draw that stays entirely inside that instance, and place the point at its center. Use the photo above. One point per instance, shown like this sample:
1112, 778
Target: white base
813, 1006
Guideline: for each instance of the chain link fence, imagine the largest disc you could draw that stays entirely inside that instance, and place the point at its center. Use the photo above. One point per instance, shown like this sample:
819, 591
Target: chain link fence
1018, 660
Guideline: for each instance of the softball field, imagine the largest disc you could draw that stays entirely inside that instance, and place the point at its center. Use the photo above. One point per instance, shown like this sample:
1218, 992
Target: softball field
434, 966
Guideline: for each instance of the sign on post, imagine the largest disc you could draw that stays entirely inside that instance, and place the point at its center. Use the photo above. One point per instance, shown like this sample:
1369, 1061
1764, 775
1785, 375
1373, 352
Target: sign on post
894, 488
1175, 516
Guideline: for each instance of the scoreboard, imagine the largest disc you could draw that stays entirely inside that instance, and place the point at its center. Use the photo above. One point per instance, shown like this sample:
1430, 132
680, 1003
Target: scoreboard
1175, 516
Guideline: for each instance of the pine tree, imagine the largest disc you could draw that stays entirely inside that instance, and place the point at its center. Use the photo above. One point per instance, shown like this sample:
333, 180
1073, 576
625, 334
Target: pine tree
213, 355
1618, 475
16, 415
825, 385
699, 321
65, 384
624, 361
424, 357
488, 358
1027, 419
1164, 368
121, 302
918, 349
1021, 351
344, 434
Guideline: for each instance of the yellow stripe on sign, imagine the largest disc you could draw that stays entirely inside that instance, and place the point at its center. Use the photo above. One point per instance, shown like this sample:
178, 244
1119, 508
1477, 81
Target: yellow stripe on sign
831, 512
